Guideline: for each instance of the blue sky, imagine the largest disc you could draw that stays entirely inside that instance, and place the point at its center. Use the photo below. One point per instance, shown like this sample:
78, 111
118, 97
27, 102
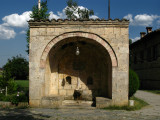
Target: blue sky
15, 13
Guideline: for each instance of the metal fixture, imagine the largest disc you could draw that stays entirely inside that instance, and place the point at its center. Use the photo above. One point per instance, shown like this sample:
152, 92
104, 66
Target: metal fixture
77, 51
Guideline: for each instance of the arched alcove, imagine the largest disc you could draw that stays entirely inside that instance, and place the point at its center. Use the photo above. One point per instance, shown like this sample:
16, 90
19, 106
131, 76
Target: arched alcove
89, 72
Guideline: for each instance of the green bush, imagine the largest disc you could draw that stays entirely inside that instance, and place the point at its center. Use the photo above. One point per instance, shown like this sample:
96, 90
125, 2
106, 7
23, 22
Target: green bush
3, 82
4, 98
16, 99
133, 83
12, 86
1, 96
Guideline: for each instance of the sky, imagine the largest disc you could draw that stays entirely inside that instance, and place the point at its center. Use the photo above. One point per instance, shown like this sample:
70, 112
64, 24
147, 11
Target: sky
14, 15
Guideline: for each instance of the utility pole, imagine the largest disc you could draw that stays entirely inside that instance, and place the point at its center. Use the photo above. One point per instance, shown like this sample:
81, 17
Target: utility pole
109, 17
39, 4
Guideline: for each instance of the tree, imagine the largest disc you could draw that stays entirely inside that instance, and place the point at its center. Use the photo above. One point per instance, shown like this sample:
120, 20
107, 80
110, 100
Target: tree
130, 41
27, 38
133, 82
16, 68
37, 15
72, 11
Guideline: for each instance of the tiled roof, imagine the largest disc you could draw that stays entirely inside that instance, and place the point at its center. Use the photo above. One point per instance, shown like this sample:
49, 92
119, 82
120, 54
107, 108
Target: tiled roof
146, 37
59, 20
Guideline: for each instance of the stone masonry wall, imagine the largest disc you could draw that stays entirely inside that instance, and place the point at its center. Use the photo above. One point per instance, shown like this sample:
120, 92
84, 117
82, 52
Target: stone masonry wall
113, 33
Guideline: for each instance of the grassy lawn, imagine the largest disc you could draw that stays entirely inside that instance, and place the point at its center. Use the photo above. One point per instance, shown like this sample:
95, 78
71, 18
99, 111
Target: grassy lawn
138, 105
22, 83
154, 91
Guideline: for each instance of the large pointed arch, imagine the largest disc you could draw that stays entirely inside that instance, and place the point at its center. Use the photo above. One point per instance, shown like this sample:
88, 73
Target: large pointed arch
92, 36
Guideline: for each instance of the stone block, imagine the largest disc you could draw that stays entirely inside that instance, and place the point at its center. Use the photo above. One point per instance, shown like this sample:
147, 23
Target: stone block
34, 103
102, 102
52, 102
70, 92
62, 92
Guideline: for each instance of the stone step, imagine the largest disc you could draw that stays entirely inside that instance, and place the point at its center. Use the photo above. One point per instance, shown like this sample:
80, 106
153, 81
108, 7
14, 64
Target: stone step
76, 107
77, 103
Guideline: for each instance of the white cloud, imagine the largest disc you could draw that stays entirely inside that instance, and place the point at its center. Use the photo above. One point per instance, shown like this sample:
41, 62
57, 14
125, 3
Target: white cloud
135, 39
16, 20
6, 33
129, 17
158, 22
141, 19
62, 15
20, 20
23, 32
53, 16
93, 17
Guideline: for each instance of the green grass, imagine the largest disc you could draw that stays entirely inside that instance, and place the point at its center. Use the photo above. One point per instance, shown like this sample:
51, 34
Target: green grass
22, 83
154, 91
138, 105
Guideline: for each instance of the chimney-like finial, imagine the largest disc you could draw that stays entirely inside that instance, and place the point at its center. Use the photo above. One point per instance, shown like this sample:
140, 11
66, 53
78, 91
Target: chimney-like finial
142, 34
39, 4
109, 17
149, 29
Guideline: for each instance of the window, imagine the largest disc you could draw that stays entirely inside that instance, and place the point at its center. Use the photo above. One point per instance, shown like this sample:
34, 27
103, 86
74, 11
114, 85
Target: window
68, 80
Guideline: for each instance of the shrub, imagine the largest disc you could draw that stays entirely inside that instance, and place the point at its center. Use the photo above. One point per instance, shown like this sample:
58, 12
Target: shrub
3, 82
4, 98
1, 96
16, 99
12, 86
133, 83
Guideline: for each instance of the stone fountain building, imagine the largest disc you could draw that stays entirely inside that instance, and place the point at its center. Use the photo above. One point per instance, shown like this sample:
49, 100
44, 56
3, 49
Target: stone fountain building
78, 62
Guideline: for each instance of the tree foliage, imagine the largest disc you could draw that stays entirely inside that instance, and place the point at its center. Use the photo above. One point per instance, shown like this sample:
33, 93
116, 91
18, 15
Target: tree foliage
133, 83
16, 68
72, 11
27, 38
40, 14
37, 15
130, 41
12, 86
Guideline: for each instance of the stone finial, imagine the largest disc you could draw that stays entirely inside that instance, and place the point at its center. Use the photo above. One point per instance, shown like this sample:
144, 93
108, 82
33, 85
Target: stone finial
39, 4
142, 34
149, 29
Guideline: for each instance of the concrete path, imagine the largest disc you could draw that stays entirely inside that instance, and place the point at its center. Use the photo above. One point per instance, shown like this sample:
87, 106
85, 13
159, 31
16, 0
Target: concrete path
153, 100
151, 112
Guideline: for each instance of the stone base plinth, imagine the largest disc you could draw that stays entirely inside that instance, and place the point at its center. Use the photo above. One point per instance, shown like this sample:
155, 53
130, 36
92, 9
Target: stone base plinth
102, 102
52, 102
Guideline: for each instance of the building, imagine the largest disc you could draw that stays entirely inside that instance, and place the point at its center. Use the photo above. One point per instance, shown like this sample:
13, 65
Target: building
145, 58
84, 60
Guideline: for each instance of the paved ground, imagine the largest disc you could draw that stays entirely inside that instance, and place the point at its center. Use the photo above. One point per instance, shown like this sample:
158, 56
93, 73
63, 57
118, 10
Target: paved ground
151, 112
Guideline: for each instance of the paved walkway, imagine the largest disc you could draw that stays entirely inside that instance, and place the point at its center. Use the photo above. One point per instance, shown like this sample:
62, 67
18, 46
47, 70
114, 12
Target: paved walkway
153, 100
151, 112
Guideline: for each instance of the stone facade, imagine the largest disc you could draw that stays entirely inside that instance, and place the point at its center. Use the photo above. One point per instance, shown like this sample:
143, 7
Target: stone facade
99, 71
145, 59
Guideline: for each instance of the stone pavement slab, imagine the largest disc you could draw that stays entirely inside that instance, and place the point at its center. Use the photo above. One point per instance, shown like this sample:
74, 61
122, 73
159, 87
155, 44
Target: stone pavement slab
151, 112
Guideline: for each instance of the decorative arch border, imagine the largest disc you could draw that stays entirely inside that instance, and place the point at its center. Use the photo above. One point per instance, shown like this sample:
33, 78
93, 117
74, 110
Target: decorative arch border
92, 36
